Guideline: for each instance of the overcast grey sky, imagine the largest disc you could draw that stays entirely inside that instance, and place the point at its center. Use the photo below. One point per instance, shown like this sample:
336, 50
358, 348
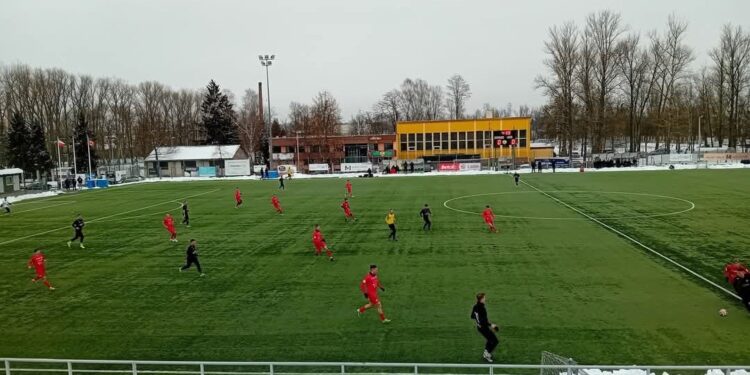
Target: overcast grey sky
357, 50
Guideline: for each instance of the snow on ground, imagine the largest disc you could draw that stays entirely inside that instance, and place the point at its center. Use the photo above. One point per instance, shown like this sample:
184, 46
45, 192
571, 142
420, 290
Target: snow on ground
24, 197
643, 372
302, 176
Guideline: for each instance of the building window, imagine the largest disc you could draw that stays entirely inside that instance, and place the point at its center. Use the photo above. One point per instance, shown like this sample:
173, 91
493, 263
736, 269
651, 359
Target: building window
190, 164
522, 138
454, 141
420, 142
480, 139
403, 142
462, 140
470, 140
290, 149
488, 139
444, 141
316, 148
276, 149
164, 165
412, 141
388, 146
428, 141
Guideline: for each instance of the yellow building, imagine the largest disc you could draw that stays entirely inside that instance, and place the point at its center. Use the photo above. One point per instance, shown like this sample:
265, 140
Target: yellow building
445, 139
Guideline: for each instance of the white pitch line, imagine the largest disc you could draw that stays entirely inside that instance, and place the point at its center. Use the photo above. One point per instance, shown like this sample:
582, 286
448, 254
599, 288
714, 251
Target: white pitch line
41, 208
106, 217
636, 242
692, 205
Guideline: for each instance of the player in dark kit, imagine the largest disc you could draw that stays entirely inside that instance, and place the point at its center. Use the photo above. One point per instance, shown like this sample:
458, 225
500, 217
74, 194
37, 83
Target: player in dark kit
185, 214
516, 177
426, 215
78, 225
38, 262
191, 257
369, 286
485, 327
281, 183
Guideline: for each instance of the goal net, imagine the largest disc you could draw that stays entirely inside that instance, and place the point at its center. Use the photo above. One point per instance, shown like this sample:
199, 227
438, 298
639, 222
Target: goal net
554, 359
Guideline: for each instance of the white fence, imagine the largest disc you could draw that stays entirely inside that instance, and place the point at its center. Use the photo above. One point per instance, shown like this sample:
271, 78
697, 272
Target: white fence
75, 366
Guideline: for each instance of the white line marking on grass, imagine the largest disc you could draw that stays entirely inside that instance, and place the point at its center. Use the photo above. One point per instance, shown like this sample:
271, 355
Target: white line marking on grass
636, 242
41, 208
107, 217
692, 205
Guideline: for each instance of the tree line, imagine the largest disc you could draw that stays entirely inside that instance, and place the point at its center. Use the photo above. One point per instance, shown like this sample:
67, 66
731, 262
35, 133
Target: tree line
608, 86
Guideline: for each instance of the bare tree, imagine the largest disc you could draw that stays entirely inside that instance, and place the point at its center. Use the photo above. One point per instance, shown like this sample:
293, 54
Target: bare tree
562, 49
459, 92
250, 123
389, 107
604, 29
634, 64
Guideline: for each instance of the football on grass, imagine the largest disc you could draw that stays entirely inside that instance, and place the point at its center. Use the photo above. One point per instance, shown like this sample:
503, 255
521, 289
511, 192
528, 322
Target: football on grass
723, 312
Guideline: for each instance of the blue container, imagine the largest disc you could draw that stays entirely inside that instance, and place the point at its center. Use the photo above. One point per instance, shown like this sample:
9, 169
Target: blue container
102, 183
273, 174
90, 184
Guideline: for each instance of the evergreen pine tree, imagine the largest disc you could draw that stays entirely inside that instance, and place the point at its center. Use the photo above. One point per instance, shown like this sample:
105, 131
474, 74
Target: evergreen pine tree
218, 117
17, 147
39, 158
82, 156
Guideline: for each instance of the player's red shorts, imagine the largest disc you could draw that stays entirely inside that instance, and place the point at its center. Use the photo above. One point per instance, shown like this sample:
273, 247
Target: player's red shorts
319, 245
276, 206
171, 230
373, 299
239, 201
40, 273
489, 221
347, 213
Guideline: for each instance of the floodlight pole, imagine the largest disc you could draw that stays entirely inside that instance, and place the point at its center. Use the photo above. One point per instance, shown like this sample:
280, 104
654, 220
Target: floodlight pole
266, 61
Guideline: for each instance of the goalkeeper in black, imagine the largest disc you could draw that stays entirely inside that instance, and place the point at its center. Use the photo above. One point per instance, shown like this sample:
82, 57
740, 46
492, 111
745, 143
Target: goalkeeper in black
485, 327
426, 215
78, 225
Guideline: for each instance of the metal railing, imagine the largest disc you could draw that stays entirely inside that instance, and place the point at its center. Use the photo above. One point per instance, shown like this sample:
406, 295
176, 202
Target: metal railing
83, 366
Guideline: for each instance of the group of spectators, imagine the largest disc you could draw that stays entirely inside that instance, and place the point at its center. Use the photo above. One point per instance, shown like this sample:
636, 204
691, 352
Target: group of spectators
404, 167
73, 183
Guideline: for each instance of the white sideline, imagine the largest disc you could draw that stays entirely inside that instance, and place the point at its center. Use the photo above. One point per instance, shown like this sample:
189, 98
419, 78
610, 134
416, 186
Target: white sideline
635, 242
106, 217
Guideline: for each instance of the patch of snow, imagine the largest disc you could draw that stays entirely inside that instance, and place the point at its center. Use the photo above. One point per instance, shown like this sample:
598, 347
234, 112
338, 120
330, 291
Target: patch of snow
303, 176
24, 197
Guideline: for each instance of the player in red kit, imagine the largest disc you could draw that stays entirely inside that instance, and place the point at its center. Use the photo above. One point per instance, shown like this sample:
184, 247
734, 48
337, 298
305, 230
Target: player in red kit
349, 188
347, 210
168, 223
276, 204
38, 261
237, 198
489, 218
320, 243
369, 286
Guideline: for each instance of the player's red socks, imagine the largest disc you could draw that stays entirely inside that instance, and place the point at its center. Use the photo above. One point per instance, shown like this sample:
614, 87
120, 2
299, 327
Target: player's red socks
47, 284
382, 316
362, 309
329, 253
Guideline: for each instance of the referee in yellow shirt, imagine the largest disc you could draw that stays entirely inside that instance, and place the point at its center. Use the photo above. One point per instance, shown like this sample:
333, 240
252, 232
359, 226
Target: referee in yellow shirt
390, 219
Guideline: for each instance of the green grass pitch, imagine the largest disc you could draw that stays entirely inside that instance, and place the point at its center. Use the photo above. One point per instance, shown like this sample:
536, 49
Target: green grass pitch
555, 280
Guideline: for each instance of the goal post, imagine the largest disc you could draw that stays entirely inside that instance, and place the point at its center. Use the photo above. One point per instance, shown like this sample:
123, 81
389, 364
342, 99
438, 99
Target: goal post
549, 358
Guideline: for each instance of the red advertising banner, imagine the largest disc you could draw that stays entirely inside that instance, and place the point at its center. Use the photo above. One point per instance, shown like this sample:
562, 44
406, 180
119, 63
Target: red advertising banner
449, 167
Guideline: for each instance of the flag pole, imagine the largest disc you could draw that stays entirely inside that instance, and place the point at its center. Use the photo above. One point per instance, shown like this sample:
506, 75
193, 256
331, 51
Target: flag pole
59, 164
88, 149
75, 163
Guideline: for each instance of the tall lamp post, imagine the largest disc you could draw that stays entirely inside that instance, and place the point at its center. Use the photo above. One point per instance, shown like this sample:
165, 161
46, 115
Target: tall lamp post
266, 61
297, 149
